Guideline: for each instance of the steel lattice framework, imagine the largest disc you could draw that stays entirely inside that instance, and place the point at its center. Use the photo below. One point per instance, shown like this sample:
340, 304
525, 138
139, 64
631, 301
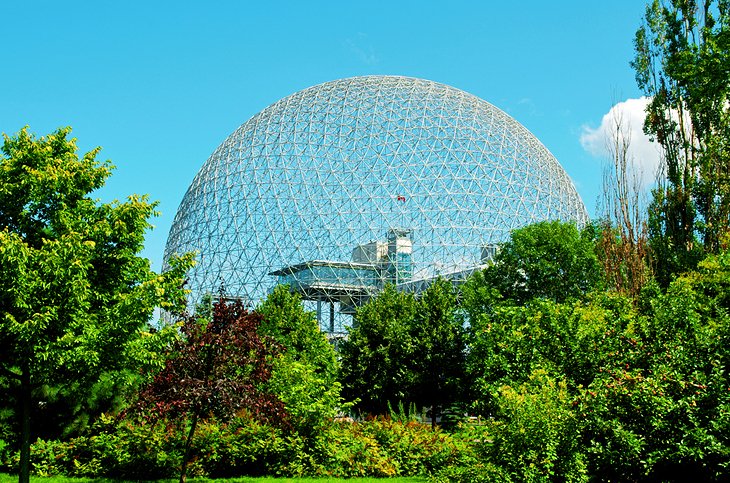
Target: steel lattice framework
344, 163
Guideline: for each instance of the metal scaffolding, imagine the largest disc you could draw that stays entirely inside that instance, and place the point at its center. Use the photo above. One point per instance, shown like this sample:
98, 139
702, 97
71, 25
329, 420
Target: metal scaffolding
325, 173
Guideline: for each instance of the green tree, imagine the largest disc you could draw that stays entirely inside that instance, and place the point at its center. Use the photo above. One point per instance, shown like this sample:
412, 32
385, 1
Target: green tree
406, 349
438, 339
305, 375
549, 259
682, 64
377, 357
297, 331
75, 296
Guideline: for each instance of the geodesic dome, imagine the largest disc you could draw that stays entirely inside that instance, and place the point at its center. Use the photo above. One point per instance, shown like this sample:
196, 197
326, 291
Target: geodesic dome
352, 177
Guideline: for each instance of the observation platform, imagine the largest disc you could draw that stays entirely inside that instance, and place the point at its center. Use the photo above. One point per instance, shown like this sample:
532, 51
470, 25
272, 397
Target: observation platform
330, 279
350, 284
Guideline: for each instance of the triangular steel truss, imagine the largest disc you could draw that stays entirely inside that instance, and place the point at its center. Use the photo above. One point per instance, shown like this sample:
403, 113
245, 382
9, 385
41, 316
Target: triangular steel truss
337, 165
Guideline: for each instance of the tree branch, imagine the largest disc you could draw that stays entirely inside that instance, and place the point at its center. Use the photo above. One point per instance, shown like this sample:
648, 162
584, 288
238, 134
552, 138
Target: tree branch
8, 373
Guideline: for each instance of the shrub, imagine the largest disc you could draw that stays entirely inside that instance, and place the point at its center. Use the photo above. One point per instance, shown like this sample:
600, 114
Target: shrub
348, 450
536, 434
124, 450
244, 447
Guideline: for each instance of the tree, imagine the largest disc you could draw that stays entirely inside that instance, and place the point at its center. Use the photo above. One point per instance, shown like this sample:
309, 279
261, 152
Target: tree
549, 259
622, 243
682, 63
75, 296
377, 357
216, 368
304, 376
406, 349
296, 329
438, 339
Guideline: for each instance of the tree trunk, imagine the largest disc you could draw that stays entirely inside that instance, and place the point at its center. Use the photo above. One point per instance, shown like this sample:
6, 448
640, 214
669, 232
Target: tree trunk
188, 444
25, 400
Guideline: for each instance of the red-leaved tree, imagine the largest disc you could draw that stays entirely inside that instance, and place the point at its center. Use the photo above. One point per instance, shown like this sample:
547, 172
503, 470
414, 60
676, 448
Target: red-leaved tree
217, 368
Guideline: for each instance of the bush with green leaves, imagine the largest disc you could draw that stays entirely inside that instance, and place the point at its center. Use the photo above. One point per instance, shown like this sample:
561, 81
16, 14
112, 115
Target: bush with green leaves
141, 450
111, 449
661, 408
536, 434
382, 447
304, 376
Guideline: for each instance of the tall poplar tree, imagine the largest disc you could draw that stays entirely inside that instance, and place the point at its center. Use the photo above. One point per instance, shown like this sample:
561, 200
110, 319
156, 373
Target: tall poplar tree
682, 64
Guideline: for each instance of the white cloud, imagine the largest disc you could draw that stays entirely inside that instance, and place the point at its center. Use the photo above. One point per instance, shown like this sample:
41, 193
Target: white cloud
630, 115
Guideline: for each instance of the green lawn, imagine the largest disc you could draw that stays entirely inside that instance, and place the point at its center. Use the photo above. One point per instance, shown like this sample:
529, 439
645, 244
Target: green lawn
5, 478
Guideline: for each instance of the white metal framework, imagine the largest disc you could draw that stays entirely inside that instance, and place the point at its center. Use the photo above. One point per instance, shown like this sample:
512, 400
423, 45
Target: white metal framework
326, 174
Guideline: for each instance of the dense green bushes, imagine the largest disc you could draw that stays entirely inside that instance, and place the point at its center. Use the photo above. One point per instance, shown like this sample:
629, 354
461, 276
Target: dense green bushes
379, 447
639, 388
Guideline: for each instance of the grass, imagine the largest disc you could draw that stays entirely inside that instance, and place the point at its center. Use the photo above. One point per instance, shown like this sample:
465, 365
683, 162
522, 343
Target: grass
6, 478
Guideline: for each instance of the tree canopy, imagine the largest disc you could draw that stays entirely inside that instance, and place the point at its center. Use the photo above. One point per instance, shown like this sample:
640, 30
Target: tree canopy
549, 259
377, 355
404, 349
682, 64
75, 296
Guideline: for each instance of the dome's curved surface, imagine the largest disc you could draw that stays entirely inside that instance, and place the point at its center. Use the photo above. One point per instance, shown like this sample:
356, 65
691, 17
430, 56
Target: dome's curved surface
340, 164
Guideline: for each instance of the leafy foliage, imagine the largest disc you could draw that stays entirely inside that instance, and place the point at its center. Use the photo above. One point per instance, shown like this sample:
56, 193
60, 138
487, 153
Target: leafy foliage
438, 338
648, 385
304, 376
570, 341
286, 321
536, 436
75, 296
550, 259
244, 447
216, 368
660, 409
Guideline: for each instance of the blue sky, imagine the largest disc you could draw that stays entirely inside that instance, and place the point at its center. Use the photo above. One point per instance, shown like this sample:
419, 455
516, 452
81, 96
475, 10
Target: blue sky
159, 85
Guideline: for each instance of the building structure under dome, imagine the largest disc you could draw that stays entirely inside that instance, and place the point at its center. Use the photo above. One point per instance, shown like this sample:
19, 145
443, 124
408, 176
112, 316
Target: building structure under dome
343, 187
